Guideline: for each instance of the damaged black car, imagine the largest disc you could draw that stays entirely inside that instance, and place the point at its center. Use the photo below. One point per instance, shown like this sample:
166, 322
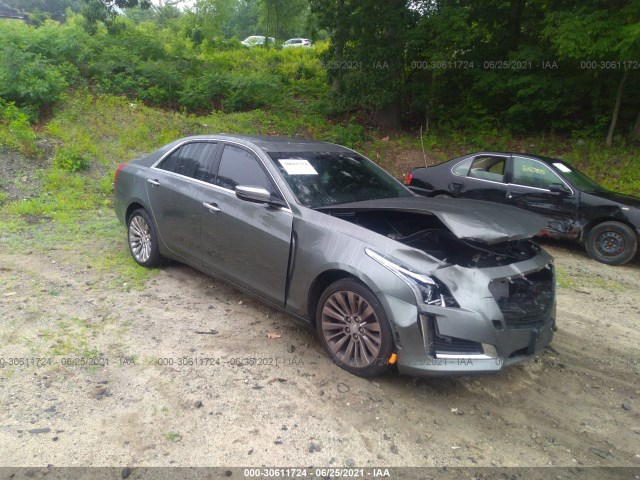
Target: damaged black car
575, 206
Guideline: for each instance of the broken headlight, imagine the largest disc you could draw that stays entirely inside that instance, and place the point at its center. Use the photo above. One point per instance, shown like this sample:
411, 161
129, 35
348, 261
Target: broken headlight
427, 289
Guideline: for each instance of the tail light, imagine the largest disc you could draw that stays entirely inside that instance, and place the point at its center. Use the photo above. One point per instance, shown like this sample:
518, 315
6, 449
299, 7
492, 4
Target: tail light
115, 177
409, 179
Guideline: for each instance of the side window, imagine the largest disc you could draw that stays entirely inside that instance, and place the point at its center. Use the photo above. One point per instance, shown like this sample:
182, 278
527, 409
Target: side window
462, 168
191, 160
239, 167
488, 167
532, 173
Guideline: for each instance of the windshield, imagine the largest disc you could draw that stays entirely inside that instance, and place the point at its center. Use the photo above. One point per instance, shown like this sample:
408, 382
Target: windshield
322, 179
578, 178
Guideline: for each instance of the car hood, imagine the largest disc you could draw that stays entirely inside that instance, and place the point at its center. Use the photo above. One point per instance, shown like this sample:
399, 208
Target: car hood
473, 220
626, 200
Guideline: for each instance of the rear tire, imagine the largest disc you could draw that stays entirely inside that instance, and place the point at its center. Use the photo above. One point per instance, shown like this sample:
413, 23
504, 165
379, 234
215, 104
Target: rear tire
142, 239
443, 195
354, 329
613, 243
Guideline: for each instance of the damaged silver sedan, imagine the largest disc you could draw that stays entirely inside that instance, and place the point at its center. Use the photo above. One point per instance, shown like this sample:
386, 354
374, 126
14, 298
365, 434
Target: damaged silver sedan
387, 279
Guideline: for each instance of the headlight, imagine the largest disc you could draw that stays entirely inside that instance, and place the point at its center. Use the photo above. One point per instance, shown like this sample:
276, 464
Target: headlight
427, 290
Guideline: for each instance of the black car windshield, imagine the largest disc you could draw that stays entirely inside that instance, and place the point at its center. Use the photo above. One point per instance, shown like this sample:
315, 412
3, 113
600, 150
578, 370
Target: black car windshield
323, 179
576, 177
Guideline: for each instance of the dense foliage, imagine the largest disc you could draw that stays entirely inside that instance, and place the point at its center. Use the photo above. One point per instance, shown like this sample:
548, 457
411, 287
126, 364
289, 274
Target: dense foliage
522, 66
158, 65
542, 65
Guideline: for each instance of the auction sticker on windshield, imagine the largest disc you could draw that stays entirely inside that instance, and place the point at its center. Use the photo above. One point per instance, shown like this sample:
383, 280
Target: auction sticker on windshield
562, 167
298, 167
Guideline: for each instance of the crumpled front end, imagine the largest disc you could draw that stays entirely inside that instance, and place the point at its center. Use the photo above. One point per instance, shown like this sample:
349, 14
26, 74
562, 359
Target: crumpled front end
499, 316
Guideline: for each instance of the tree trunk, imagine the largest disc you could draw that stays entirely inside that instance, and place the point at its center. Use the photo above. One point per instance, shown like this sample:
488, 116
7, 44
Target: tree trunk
389, 116
636, 130
616, 108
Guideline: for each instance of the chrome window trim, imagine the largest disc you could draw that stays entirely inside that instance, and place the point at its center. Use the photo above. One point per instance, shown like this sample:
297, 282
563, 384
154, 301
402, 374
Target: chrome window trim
183, 177
544, 165
485, 180
155, 164
222, 142
233, 193
462, 161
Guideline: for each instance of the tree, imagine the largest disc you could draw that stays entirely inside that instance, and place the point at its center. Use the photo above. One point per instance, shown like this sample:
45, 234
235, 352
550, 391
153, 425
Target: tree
38, 10
367, 54
604, 35
284, 19
107, 10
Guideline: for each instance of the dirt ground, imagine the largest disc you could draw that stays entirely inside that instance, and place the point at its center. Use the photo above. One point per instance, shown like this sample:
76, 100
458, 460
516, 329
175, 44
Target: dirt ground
190, 372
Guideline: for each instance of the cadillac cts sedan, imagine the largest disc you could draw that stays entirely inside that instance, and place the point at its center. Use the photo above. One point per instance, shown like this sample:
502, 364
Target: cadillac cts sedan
576, 207
387, 278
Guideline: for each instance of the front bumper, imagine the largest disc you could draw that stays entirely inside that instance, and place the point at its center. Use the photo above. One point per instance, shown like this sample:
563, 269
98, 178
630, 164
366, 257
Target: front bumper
434, 340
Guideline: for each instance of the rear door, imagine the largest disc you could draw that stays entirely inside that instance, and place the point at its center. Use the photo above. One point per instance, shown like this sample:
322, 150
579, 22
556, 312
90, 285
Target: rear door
529, 189
246, 242
485, 179
175, 188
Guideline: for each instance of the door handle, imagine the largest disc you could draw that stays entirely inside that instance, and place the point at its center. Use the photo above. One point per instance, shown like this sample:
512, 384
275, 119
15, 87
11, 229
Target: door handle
212, 208
155, 183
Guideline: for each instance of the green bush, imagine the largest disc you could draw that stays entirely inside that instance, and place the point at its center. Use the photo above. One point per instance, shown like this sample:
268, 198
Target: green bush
71, 160
29, 80
15, 130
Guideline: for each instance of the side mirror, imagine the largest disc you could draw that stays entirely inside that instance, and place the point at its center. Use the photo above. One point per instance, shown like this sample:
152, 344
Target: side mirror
560, 188
253, 194
258, 195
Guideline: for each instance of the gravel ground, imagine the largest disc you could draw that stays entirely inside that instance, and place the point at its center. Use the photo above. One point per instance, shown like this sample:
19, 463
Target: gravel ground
189, 372
173, 387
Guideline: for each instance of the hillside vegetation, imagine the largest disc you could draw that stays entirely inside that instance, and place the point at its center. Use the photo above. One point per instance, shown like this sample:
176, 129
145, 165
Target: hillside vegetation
76, 99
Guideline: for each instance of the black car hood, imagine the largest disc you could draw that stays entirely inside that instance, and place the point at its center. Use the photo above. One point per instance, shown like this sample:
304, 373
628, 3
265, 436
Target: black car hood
626, 200
474, 220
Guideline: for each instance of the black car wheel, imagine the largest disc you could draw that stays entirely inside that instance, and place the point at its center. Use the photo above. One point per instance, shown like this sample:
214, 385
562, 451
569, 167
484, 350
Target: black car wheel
143, 242
613, 243
353, 327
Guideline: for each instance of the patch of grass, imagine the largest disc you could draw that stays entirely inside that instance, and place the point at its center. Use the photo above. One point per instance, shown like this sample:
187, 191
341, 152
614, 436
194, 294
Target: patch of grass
73, 337
563, 279
95, 240
172, 436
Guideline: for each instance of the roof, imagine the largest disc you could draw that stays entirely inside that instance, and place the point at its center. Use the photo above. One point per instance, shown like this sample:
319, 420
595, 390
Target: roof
8, 12
276, 144
524, 154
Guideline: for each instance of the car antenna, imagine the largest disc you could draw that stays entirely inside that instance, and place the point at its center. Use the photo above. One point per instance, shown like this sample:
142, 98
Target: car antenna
424, 154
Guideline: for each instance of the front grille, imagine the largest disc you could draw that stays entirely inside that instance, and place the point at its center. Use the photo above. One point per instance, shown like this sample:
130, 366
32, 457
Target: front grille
525, 300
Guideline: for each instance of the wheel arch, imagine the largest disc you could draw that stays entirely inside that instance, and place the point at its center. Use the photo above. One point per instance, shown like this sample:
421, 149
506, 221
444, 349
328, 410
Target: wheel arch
586, 229
132, 207
320, 284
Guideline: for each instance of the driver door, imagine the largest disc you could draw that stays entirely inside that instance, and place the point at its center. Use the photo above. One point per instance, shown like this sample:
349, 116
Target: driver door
529, 189
246, 242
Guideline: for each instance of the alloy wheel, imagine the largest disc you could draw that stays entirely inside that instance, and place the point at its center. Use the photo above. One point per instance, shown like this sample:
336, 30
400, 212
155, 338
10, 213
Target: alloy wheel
140, 239
351, 329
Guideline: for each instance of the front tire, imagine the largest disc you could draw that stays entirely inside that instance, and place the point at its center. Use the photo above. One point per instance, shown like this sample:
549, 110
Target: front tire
613, 243
143, 241
354, 329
